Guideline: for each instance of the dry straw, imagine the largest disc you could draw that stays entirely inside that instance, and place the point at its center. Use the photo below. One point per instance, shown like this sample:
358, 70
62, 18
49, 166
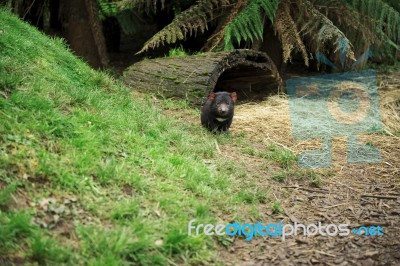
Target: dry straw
269, 122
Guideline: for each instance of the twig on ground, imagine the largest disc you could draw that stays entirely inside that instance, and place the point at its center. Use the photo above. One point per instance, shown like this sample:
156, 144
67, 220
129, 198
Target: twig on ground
322, 190
279, 144
216, 145
320, 252
332, 206
345, 185
379, 196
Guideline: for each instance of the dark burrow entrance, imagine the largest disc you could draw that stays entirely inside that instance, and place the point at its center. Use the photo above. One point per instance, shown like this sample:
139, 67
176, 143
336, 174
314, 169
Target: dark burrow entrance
250, 83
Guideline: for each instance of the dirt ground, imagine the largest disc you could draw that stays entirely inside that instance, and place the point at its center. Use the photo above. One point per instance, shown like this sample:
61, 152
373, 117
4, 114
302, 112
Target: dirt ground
354, 194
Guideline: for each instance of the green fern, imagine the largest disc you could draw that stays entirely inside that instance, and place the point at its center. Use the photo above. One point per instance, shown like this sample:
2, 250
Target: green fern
107, 8
305, 26
387, 18
384, 18
249, 23
189, 22
148, 5
393, 3
323, 31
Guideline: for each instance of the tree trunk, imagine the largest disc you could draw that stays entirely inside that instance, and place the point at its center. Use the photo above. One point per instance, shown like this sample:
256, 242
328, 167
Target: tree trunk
84, 32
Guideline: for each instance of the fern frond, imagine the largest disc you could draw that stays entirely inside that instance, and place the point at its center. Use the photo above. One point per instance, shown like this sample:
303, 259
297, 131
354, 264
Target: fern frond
387, 19
107, 8
249, 23
141, 4
219, 33
289, 33
269, 7
190, 21
323, 31
359, 28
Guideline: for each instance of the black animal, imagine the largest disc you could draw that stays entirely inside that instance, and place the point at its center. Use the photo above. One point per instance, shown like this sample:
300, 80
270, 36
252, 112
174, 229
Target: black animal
217, 112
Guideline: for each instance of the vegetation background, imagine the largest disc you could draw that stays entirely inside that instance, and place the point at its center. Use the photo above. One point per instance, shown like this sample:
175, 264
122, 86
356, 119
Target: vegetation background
94, 173
286, 30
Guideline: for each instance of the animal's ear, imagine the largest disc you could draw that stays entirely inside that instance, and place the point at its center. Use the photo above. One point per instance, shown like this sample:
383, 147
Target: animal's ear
234, 96
211, 96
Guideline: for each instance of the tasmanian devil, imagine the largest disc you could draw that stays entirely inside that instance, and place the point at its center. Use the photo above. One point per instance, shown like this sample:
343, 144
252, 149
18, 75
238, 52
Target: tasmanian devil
217, 112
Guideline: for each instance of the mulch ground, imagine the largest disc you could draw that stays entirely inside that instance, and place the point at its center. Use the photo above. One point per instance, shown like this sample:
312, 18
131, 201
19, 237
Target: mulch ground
354, 194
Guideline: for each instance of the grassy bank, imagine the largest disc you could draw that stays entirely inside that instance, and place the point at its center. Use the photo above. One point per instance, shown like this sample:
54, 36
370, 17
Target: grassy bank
91, 174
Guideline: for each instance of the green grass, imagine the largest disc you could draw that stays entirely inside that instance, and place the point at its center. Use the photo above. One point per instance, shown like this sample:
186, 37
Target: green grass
309, 175
177, 52
180, 52
285, 158
136, 176
276, 207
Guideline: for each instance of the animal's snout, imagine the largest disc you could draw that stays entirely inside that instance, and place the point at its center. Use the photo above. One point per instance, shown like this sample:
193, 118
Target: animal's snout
223, 109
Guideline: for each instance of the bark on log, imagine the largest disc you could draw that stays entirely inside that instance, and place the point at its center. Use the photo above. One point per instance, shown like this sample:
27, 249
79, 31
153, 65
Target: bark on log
248, 72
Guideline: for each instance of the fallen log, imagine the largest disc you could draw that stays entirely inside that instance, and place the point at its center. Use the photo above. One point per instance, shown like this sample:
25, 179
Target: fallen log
252, 74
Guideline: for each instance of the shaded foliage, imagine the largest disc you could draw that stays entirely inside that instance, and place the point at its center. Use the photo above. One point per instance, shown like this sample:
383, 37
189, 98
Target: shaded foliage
303, 26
